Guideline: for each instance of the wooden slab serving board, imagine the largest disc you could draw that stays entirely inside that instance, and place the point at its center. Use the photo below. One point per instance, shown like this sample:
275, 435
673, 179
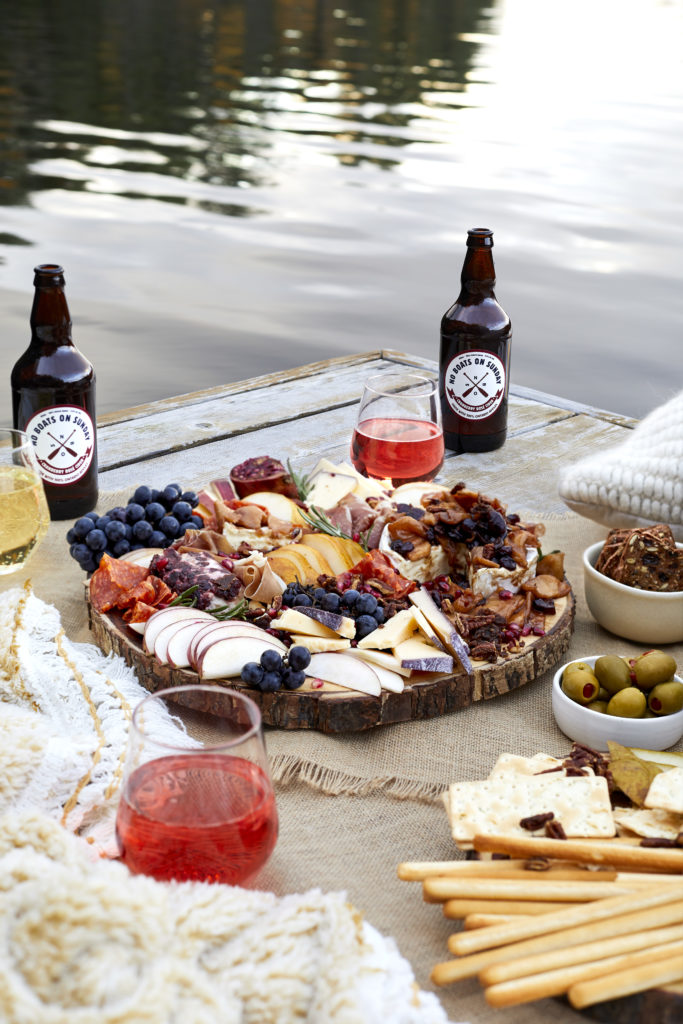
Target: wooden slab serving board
332, 709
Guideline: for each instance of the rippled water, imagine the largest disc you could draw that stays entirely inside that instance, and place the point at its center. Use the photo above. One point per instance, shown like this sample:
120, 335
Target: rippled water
244, 186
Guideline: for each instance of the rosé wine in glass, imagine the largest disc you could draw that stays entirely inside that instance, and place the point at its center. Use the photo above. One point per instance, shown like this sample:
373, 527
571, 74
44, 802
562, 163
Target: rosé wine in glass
201, 810
398, 431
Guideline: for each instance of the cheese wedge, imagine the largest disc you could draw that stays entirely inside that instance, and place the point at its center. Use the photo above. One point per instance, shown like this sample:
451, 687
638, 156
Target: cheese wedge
383, 659
422, 657
294, 622
320, 644
399, 628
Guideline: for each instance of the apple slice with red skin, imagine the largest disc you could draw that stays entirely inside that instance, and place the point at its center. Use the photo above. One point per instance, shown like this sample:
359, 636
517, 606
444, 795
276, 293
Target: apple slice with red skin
229, 630
348, 672
178, 646
226, 658
165, 635
156, 622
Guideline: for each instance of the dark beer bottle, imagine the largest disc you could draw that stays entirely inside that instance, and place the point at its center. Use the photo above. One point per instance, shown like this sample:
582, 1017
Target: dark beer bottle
53, 401
474, 361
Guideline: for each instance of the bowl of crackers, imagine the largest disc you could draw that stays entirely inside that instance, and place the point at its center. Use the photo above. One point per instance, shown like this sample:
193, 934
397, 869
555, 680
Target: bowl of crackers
633, 583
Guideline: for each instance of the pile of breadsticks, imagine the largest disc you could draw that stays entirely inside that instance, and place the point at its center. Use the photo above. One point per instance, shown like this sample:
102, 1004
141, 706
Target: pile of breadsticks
590, 918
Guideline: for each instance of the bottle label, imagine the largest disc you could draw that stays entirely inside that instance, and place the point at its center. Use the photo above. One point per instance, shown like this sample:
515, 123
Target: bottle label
475, 384
63, 437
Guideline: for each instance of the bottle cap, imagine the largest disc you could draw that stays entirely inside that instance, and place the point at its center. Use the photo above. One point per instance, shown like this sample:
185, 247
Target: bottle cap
480, 238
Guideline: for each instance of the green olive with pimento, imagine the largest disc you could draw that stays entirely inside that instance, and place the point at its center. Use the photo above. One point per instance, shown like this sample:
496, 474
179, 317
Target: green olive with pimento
642, 687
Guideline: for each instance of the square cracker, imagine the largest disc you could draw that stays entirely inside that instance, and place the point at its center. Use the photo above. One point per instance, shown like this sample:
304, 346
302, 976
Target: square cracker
649, 823
496, 806
666, 791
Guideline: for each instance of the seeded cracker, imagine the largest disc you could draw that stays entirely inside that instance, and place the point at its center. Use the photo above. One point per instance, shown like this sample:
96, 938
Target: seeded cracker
646, 558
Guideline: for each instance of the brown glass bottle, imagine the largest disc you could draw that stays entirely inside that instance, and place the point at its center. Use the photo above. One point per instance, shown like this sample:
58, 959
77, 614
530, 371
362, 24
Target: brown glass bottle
474, 361
53, 400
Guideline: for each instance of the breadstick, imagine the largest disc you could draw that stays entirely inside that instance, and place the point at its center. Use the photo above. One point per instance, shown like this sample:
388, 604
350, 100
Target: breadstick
625, 982
568, 956
485, 920
468, 966
554, 983
417, 871
518, 889
595, 851
512, 908
575, 915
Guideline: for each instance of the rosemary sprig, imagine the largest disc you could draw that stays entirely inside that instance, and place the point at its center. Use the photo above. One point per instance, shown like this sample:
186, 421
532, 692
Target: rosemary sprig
301, 481
188, 599
316, 518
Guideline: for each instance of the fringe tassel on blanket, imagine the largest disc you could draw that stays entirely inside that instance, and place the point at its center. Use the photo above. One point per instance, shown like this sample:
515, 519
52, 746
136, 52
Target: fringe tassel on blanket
287, 769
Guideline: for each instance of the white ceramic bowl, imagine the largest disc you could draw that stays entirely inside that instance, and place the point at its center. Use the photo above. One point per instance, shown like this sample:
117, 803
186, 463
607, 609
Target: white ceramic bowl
644, 616
594, 729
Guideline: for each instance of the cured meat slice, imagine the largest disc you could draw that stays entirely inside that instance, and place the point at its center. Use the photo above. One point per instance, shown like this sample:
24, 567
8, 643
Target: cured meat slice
113, 578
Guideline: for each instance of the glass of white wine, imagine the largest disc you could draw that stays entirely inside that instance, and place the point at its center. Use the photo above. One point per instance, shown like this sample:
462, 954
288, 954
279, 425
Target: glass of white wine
24, 515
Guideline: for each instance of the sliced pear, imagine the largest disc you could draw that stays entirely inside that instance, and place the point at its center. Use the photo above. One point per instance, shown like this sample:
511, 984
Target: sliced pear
339, 552
344, 671
422, 657
398, 628
298, 562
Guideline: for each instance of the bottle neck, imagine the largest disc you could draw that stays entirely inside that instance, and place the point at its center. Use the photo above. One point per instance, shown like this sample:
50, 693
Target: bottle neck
478, 276
50, 318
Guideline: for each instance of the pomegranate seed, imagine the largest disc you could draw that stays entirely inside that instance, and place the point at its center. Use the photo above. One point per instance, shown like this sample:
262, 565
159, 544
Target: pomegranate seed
228, 563
538, 631
272, 613
356, 537
526, 630
162, 562
316, 683
505, 595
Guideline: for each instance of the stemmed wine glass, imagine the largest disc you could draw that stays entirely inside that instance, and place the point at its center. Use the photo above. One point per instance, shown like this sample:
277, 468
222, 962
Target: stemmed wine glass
24, 515
398, 432
197, 803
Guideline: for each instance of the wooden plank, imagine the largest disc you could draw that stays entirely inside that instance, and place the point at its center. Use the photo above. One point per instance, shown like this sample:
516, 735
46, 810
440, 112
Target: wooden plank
274, 404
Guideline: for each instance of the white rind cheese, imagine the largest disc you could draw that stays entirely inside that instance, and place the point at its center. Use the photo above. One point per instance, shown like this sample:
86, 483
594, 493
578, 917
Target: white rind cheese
421, 570
487, 582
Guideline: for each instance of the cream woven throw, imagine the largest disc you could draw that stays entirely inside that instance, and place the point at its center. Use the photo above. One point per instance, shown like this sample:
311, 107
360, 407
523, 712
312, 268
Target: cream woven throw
83, 941
637, 483
65, 710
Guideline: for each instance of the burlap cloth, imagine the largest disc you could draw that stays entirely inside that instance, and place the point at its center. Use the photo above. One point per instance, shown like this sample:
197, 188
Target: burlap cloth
352, 807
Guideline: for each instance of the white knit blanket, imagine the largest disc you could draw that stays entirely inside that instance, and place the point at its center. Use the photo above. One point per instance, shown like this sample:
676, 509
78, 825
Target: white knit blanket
87, 942
84, 942
636, 483
65, 710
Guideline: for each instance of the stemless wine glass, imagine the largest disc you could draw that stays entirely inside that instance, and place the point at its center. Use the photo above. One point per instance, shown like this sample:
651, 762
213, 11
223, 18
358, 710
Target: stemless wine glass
398, 431
197, 803
24, 515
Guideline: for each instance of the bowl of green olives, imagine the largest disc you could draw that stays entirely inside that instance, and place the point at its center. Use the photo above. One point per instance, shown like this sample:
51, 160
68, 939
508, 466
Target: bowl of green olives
635, 701
643, 616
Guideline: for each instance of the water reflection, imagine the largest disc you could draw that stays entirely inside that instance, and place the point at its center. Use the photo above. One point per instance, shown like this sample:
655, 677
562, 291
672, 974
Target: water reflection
199, 91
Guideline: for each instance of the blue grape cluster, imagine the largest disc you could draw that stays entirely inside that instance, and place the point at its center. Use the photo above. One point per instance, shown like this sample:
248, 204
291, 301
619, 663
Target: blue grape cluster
364, 608
151, 519
274, 671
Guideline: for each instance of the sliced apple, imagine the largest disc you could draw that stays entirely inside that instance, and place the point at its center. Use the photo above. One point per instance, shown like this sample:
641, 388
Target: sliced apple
419, 656
350, 673
165, 635
238, 629
278, 505
339, 552
320, 644
388, 680
340, 624
398, 628
293, 621
226, 658
383, 659
328, 488
156, 622
225, 628
445, 629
